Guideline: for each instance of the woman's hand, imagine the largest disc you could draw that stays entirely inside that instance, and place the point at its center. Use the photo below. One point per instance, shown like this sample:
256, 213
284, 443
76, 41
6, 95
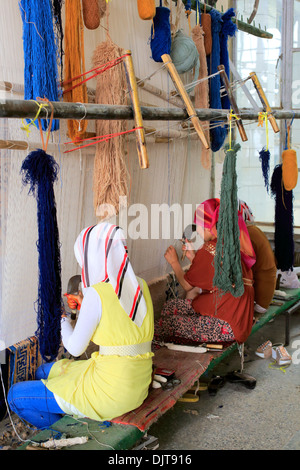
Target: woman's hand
74, 301
189, 251
171, 255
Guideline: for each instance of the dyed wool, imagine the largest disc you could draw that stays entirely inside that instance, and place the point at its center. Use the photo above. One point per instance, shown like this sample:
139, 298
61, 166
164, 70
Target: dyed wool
40, 53
201, 89
217, 134
228, 269
40, 170
160, 41
228, 29
110, 172
284, 231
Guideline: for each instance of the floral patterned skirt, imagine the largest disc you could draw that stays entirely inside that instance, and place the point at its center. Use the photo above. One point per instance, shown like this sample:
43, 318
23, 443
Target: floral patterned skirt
179, 323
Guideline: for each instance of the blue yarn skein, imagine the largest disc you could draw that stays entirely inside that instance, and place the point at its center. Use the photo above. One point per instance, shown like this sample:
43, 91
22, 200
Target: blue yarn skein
160, 41
40, 53
184, 55
217, 134
39, 170
228, 29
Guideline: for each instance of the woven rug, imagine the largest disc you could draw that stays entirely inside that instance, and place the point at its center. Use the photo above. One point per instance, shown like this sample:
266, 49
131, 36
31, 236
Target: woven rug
188, 368
23, 360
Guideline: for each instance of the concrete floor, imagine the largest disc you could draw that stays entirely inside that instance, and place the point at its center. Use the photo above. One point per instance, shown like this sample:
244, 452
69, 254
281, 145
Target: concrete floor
236, 418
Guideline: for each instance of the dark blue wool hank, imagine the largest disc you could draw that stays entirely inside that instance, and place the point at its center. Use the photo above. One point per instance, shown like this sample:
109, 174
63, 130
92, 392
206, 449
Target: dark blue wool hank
264, 157
39, 170
228, 29
217, 134
160, 41
284, 220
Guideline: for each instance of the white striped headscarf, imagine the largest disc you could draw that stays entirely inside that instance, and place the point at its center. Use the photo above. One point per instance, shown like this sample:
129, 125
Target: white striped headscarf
101, 252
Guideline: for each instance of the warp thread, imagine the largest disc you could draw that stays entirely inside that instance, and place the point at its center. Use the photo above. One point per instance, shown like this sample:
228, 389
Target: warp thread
39, 170
228, 268
40, 53
284, 220
218, 133
160, 40
228, 29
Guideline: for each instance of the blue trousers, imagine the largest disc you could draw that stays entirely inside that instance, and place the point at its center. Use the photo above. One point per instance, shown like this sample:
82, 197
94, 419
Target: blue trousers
33, 402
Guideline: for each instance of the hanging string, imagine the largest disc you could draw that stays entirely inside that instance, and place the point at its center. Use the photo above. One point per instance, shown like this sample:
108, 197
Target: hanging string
230, 116
97, 70
288, 133
103, 138
263, 117
31, 122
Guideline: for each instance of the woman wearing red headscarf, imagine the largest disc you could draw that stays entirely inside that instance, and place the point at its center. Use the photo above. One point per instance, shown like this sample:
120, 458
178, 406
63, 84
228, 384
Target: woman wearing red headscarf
207, 315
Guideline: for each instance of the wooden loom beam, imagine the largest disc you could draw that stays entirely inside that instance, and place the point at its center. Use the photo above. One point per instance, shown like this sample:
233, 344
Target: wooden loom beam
241, 25
234, 106
186, 99
264, 101
22, 109
138, 120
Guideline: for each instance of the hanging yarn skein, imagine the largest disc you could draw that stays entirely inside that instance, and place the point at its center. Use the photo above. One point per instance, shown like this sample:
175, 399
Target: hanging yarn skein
57, 14
40, 53
228, 29
74, 65
91, 14
160, 40
184, 55
110, 172
202, 90
289, 163
146, 9
228, 269
284, 220
39, 170
264, 154
218, 133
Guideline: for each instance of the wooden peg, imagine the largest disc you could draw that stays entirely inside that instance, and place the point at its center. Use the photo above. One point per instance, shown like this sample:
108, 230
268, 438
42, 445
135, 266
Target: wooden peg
186, 99
264, 101
138, 120
234, 106
13, 144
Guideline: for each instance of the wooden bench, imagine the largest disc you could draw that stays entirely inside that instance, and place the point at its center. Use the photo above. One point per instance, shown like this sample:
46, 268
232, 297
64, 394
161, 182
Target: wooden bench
125, 431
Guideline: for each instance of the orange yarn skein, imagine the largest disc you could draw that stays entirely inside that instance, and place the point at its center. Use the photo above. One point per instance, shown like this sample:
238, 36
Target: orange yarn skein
74, 63
91, 13
289, 169
146, 9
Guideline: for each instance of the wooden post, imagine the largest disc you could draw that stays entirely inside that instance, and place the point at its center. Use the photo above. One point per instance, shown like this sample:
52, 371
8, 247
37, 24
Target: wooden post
234, 106
264, 101
188, 104
138, 120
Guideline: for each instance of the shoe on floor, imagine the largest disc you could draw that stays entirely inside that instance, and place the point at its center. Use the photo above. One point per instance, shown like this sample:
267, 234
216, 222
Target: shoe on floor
280, 354
264, 350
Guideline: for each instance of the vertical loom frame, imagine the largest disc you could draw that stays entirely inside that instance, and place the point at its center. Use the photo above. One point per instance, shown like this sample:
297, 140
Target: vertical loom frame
187, 102
138, 120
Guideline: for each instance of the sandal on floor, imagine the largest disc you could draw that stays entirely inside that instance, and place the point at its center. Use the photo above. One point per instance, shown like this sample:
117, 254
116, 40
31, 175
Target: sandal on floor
189, 398
239, 377
215, 384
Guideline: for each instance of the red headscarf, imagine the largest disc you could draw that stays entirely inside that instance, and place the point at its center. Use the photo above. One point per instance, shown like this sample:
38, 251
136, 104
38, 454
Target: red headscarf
207, 216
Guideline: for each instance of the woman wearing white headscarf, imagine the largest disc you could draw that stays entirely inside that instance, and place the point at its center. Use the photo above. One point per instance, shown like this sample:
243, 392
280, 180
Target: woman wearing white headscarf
117, 314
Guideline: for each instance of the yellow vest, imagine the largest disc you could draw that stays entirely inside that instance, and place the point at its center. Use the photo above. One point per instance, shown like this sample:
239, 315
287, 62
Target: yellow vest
106, 386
